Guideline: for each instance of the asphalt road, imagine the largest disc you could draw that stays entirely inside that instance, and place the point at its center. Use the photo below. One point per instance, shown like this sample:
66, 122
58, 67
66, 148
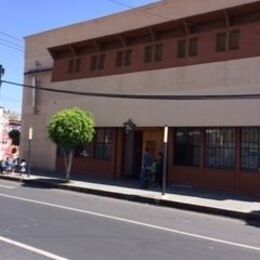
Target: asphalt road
43, 223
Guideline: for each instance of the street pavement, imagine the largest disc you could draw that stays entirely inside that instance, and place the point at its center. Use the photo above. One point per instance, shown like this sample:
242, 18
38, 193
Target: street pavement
73, 225
238, 206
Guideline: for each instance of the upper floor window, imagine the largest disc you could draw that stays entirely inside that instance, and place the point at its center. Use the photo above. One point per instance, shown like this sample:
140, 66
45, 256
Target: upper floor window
153, 53
227, 41
220, 148
97, 62
187, 146
187, 48
74, 65
234, 40
123, 58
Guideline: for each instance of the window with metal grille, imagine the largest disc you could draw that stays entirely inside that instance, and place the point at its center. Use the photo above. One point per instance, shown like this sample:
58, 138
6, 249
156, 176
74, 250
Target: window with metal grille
103, 143
187, 146
220, 148
85, 150
250, 149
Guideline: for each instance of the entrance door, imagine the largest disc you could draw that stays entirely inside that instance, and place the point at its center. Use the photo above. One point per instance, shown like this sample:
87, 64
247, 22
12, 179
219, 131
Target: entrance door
137, 156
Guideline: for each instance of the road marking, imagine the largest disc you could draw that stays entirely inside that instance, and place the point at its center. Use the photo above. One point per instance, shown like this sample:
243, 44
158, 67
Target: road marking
32, 249
7, 186
212, 239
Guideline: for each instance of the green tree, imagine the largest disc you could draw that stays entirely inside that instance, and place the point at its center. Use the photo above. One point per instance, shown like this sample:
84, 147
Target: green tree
70, 128
15, 136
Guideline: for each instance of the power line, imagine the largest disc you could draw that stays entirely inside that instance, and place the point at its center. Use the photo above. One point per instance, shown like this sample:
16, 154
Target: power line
142, 96
11, 36
9, 42
11, 47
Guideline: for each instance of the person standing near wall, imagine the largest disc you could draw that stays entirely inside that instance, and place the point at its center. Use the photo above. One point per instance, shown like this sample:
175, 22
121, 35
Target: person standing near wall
159, 170
146, 168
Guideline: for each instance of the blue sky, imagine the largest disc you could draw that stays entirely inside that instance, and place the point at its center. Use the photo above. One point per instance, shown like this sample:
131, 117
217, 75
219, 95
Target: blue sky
26, 17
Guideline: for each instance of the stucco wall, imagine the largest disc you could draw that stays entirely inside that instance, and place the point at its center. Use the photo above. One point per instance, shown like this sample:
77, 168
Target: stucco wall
232, 77
237, 76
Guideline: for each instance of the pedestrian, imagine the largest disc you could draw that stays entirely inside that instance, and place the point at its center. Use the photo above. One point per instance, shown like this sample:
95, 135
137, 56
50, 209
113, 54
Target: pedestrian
23, 167
146, 168
159, 169
8, 165
154, 167
1, 166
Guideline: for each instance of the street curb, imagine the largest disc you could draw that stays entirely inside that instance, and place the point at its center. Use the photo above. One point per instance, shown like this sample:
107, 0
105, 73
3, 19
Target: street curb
142, 199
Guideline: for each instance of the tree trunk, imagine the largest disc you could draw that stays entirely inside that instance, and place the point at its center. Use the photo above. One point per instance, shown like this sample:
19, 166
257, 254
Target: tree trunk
69, 164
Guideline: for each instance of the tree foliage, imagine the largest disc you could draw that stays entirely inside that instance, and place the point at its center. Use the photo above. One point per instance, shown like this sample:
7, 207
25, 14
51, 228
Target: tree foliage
15, 136
70, 128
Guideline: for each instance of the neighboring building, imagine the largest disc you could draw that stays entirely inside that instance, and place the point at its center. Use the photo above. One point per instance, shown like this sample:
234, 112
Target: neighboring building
188, 47
8, 121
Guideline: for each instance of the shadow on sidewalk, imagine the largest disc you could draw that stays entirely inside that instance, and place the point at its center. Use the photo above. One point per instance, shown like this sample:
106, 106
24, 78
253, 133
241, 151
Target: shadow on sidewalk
184, 190
43, 183
254, 222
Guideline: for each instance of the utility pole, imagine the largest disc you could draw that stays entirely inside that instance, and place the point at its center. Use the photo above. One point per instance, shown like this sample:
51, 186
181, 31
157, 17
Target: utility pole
2, 72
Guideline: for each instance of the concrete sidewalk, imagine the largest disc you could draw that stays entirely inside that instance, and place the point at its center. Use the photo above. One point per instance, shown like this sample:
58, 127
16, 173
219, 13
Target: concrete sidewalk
243, 207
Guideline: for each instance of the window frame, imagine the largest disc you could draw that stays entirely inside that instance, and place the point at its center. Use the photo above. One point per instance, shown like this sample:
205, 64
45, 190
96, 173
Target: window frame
158, 52
103, 143
245, 149
213, 145
182, 48
234, 43
193, 46
148, 54
189, 146
230, 41
97, 62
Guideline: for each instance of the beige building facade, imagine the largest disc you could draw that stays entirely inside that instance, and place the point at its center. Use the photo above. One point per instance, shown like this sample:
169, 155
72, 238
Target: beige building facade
204, 71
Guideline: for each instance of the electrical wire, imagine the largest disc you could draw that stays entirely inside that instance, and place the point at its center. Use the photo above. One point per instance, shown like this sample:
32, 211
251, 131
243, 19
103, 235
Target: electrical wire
11, 36
11, 47
141, 96
9, 42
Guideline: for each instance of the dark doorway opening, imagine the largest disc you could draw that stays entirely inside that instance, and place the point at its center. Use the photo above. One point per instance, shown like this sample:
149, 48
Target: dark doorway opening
137, 156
